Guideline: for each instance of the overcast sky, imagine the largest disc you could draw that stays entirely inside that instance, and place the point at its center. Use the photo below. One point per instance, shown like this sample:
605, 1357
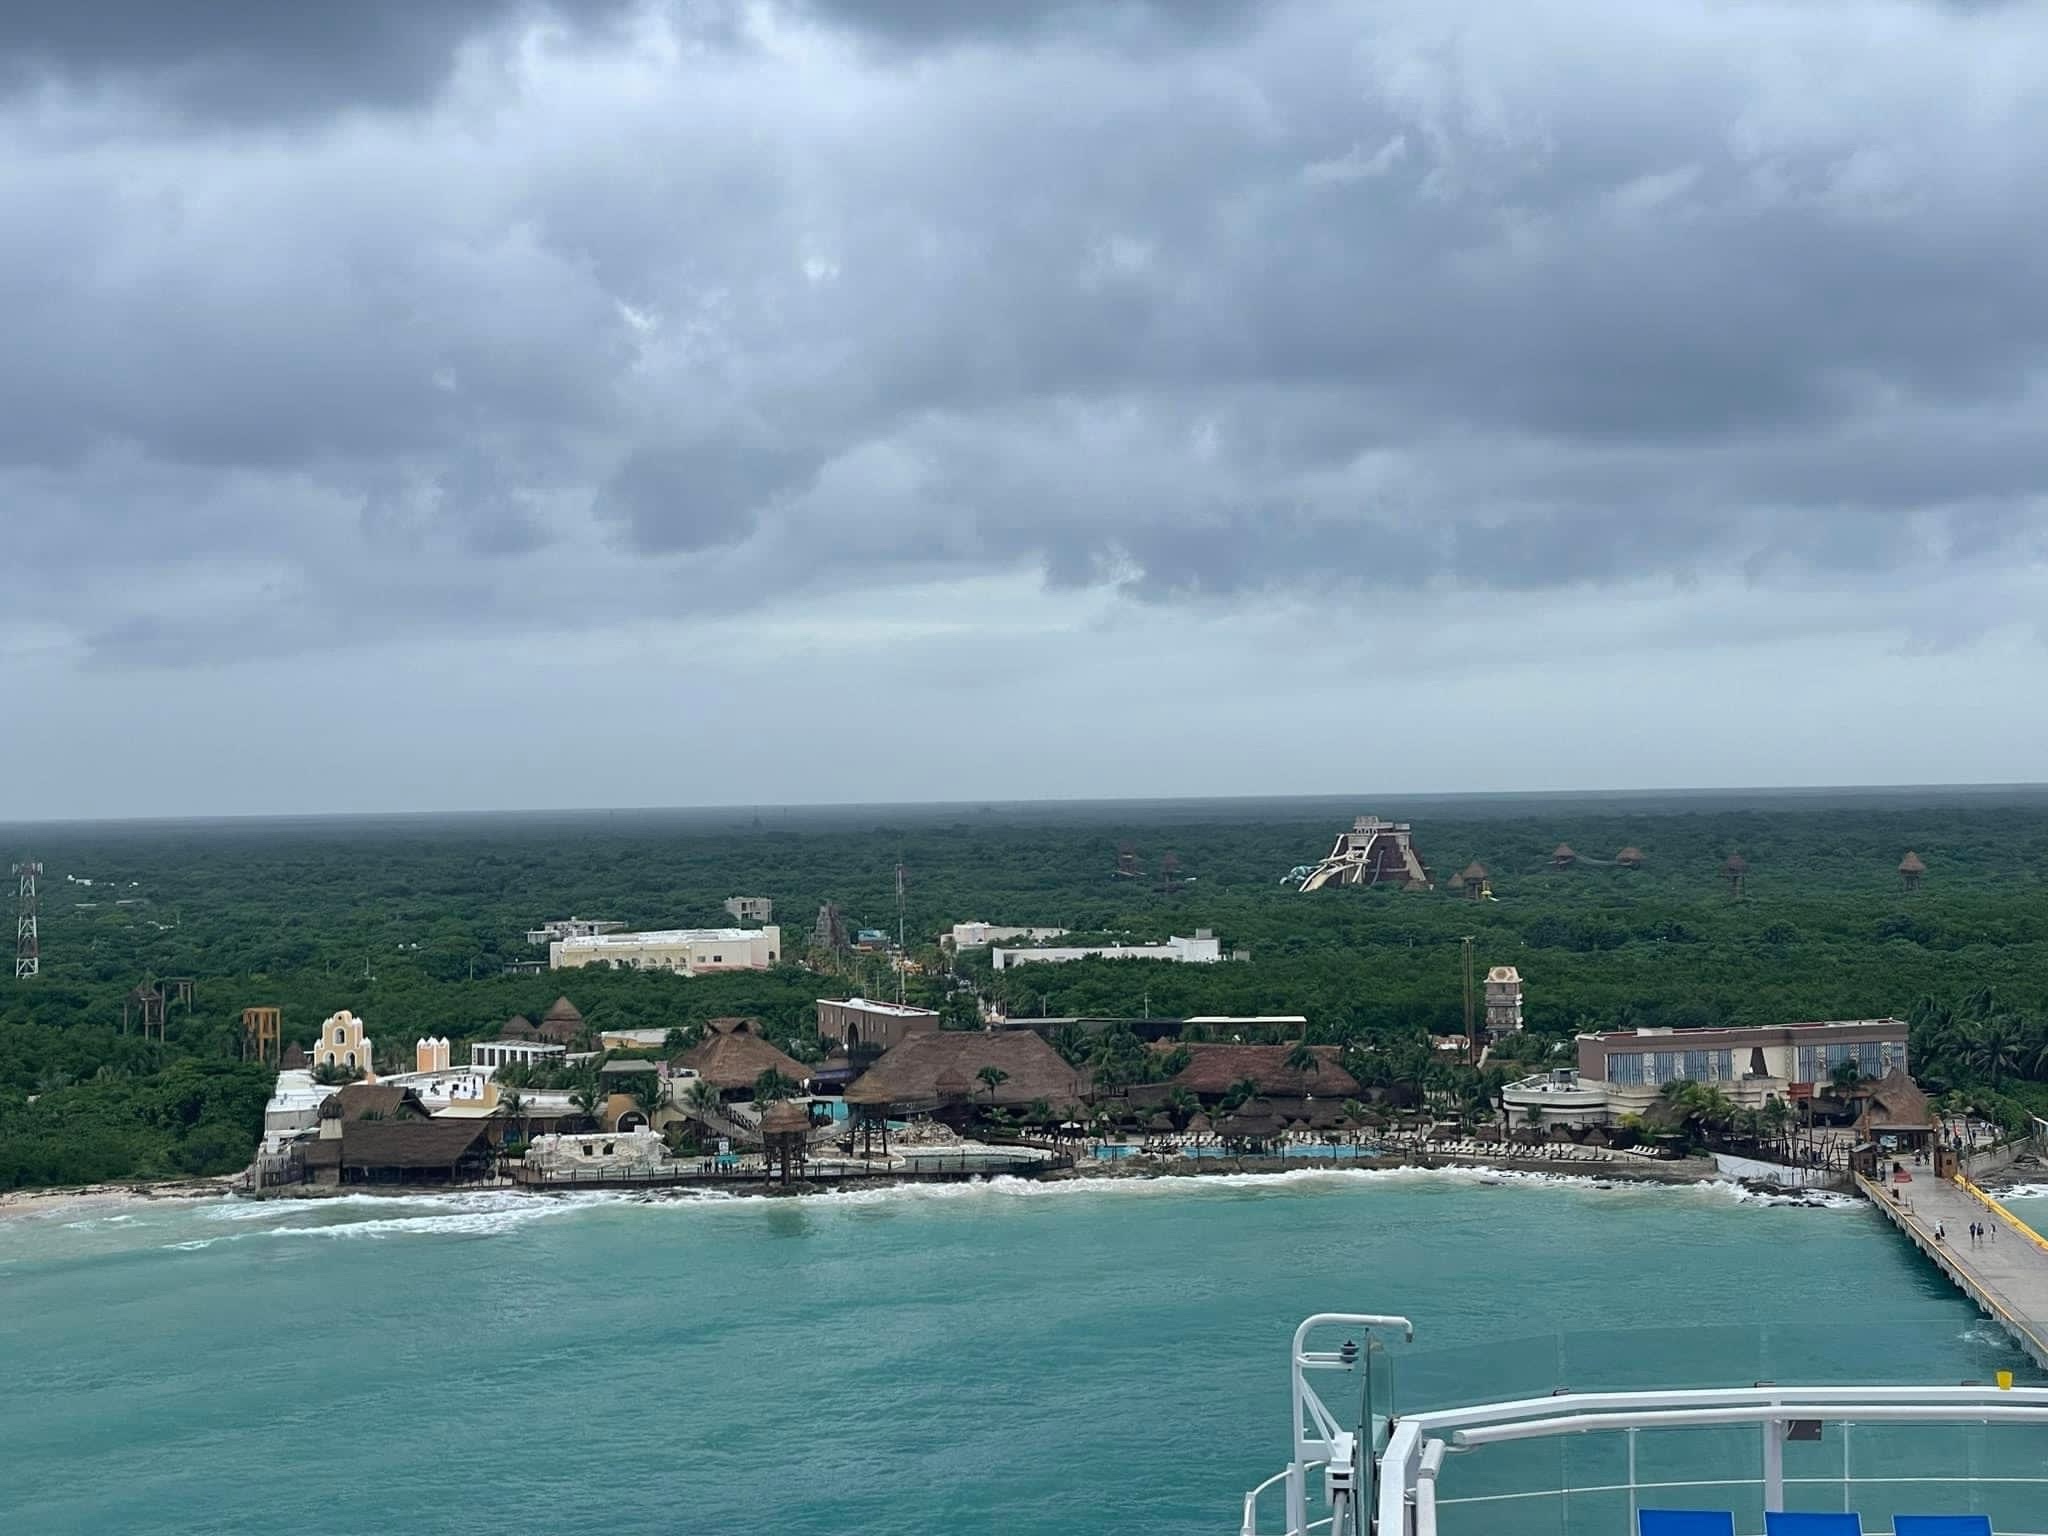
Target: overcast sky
420, 404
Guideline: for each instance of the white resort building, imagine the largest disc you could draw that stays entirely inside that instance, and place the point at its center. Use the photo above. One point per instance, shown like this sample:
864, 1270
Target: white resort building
1203, 949
494, 1054
1624, 1072
685, 951
570, 928
981, 935
294, 1106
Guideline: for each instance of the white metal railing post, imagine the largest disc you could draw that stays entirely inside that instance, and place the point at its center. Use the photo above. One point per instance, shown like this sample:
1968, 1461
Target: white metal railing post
1633, 1511
1774, 1466
1846, 1479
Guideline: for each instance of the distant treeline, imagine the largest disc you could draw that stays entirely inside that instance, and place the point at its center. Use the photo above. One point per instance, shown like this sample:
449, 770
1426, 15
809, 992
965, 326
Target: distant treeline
410, 922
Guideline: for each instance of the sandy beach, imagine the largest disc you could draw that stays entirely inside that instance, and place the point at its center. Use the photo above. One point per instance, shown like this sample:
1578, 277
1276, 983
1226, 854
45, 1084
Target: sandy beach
25, 1202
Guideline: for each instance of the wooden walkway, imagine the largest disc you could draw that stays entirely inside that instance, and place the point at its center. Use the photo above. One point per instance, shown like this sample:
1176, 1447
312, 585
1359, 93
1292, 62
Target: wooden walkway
2006, 1275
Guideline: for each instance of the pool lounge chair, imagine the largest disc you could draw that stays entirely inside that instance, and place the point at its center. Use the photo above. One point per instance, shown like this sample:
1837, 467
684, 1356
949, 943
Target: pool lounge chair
1941, 1525
1684, 1522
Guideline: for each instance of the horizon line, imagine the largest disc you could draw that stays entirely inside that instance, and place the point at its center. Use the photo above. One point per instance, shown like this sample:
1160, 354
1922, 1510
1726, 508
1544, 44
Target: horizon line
978, 805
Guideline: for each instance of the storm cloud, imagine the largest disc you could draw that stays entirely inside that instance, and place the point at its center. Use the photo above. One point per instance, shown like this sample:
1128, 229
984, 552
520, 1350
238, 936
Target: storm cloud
398, 328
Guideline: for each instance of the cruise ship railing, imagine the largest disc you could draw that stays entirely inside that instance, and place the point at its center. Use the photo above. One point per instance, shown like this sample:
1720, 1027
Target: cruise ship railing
1430, 1481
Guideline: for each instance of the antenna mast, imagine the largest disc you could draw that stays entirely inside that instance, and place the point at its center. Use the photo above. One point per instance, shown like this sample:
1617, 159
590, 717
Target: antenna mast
28, 947
1471, 1030
901, 955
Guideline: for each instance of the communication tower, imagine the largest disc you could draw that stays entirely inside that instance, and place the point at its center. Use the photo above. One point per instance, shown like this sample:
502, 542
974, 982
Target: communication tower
1169, 872
28, 944
1127, 865
1736, 873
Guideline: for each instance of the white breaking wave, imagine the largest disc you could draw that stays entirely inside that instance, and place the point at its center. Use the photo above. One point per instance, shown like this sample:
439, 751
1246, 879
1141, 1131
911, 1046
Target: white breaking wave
1815, 1199
484, 1213
2023, 1192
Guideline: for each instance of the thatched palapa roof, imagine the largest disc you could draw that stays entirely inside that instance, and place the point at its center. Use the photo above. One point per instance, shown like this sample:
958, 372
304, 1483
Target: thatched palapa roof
923, 1068
1629, 857
1912, 864
373, 1101
783, 1118
1736, 865
1563, 854
1475, 872
1896, 1103
519, 1027
733, 1059
1213, 1069
398, 1144
562, 1023
1255, 1120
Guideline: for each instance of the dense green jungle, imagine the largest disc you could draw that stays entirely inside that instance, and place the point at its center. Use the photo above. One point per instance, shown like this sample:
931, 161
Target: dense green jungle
411, 921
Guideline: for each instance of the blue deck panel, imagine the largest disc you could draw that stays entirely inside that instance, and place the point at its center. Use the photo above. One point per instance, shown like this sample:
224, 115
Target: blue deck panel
1786, 1523
1684, 1522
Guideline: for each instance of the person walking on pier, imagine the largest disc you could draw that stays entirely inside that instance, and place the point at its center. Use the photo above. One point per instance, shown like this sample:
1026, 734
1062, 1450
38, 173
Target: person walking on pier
1940, 1232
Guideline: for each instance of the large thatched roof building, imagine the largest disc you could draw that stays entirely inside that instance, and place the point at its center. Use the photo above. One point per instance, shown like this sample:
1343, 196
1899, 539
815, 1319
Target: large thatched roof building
433, 1151
924, 1072
1213, 1070
733, 1056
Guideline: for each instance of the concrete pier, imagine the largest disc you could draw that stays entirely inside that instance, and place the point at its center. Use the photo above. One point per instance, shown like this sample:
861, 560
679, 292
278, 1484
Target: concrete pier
2006, 1275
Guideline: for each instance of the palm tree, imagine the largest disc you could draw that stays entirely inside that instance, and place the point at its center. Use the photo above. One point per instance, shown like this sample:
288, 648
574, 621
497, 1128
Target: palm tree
1776, 1118
650, 1092
589, 1096
772, 1085
1302, 1060
992, 1077
1240, 1092
1991, 1050
1354, 1116
700, 1097
1183, 1106
514, 1105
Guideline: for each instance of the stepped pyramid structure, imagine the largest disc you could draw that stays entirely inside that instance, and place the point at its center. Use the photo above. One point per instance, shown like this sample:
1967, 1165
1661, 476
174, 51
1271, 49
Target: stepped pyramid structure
1373, 852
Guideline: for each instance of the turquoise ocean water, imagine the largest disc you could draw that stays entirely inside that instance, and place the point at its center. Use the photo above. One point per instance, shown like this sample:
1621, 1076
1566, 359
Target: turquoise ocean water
1016, 1358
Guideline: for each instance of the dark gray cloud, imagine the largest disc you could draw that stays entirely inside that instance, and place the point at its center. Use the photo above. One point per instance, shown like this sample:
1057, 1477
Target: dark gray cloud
694, 305
246, 60
926, 22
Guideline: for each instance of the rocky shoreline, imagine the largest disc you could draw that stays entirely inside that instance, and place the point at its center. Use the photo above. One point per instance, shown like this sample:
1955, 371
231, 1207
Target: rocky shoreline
1686, 1171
